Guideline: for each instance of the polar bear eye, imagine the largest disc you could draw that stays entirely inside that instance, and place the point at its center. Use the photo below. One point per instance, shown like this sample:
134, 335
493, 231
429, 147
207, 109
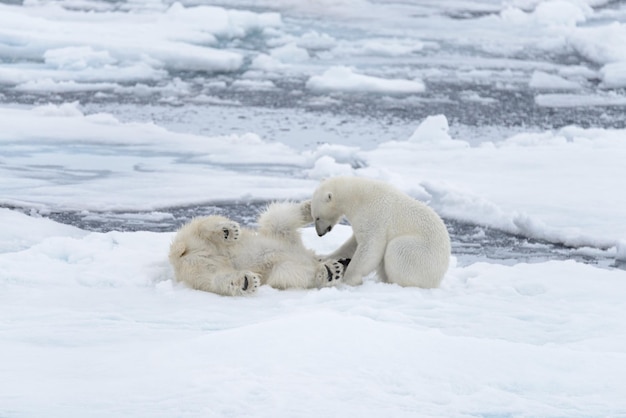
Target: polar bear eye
317, 219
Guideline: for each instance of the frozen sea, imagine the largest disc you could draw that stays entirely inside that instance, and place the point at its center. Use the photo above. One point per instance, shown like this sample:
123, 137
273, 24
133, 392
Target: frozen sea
121, 120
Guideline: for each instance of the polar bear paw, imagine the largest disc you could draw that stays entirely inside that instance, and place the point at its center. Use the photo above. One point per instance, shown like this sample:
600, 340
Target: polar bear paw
334, 270
245, 283
305, 211
231, 231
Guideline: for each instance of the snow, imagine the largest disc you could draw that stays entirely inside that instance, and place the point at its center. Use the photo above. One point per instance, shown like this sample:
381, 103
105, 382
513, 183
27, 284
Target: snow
614, 75
544, 81
90, 318
561, 12
601, 44
138, 106
94, 325
537, 192
621, 251
97, 46
345, 79
433, 129
290, 53
578, 100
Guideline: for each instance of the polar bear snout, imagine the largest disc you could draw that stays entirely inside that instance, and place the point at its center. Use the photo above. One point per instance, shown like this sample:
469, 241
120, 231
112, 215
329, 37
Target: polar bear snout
321, 229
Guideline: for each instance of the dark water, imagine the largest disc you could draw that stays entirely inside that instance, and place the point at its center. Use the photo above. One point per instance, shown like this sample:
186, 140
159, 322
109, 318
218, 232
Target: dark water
503, 107
510, 102
470, 243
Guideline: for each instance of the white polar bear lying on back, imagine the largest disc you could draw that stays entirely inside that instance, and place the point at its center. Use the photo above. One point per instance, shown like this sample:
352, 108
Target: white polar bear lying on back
404, 240
216, 255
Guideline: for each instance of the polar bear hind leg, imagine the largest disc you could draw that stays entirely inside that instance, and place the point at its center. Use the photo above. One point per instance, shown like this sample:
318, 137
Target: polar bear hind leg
242, 283
290, 275
408, 261
236, 283
212, 274
282, 220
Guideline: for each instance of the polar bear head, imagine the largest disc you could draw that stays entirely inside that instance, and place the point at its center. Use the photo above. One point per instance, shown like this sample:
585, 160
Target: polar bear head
203, 234
324, 210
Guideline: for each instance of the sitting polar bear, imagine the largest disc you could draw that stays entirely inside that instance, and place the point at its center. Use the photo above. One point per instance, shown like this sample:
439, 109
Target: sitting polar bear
215, 254
403, 239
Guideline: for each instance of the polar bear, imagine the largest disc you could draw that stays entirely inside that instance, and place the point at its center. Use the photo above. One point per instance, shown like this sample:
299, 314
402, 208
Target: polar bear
216, 254
404, 240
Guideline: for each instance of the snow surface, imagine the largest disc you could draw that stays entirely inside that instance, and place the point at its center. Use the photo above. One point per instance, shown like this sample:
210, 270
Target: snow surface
93, 325
91, 98
59, 158
545, 81
345, 79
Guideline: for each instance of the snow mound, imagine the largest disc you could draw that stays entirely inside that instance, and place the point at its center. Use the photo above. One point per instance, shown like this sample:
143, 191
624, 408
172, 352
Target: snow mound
432, 129
74, 45
551, 13
345, 79
544, 81
621, 251
614, 75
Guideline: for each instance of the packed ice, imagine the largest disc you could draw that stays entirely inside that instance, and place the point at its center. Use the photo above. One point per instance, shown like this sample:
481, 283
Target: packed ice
501, 115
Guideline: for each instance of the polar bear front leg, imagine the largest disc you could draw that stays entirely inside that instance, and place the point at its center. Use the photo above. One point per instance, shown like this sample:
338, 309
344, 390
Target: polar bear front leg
347, 250
367, 258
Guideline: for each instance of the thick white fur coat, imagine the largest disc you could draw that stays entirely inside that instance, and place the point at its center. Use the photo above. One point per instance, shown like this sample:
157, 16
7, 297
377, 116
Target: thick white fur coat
400, 238
216, 254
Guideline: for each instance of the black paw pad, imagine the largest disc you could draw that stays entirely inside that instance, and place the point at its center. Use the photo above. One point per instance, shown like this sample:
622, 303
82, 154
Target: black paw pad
226, 233
344, 262
330, 273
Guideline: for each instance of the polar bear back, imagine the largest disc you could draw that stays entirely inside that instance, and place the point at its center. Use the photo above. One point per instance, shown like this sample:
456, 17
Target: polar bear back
370, 203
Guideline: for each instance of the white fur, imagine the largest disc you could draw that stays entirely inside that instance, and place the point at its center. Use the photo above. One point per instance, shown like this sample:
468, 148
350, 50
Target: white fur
216, 255
404, 240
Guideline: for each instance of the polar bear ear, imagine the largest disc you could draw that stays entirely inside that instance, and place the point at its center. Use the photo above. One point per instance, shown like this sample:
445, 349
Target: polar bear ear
329, 196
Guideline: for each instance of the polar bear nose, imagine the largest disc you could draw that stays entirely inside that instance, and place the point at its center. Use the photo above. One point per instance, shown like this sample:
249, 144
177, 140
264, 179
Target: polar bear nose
319, 228
321, 231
